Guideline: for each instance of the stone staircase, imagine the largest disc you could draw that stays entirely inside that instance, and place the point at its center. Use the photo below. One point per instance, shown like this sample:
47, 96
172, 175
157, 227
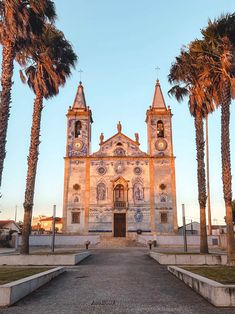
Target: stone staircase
110, 242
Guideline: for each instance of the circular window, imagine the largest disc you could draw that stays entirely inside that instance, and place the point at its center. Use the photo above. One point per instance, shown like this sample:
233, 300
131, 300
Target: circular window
162, 186
76, 187
101, 170
137, 171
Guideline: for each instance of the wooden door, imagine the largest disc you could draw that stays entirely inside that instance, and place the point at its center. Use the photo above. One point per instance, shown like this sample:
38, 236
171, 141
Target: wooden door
119, 225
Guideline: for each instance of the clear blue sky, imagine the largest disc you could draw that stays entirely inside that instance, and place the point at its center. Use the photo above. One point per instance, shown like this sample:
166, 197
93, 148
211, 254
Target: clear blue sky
119, 43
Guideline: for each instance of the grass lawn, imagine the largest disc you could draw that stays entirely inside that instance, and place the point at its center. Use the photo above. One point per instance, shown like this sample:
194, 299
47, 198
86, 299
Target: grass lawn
8, 274
221, 274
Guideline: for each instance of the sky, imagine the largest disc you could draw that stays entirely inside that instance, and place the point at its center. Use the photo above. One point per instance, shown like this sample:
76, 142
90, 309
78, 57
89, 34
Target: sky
119, 45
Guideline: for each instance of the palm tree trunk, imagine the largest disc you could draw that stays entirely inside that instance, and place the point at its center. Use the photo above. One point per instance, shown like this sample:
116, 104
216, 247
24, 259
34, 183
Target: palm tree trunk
226, 170
31, 173
208, 180
201, 181
6, 83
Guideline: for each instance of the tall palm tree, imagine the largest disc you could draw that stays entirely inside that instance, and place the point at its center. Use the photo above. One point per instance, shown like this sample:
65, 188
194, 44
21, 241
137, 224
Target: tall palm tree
19, 21
184, 74
52, 58
217, 51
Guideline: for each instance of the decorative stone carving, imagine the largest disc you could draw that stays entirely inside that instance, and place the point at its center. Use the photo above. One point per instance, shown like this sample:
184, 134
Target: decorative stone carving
119, 127
119, 167
101, 192
119, 152
137, 138
163, 198
137, 171
101, 138
101, 170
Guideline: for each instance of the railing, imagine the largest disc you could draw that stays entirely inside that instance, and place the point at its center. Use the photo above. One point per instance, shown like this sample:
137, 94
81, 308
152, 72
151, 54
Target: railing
119, 204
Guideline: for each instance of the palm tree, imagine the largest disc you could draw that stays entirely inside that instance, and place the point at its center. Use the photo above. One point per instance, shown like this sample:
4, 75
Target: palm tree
184, 74
19, 22
217, 51
52, 58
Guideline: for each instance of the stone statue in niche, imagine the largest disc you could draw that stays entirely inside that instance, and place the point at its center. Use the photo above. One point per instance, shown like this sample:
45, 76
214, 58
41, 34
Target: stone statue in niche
163, 198
101, 192
138, 193
76, 199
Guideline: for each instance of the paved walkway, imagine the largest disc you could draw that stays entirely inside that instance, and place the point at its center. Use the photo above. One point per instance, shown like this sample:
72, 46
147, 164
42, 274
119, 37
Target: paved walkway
115, 281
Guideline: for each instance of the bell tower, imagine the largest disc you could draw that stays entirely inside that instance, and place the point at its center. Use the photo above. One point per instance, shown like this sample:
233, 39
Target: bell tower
77, 165
79, 126
162, 165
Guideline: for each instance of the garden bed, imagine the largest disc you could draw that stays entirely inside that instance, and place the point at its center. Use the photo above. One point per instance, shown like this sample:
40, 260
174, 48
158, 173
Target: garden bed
9, 274
13, 291
218, 294
44, 259
221, 274
188, 259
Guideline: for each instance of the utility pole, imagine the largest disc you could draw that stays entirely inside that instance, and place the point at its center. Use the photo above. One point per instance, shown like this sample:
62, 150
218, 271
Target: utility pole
208, 180
53, 229
184, 229
15, 213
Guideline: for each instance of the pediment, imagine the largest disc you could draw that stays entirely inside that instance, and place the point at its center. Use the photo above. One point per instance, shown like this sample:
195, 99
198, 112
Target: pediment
119, 145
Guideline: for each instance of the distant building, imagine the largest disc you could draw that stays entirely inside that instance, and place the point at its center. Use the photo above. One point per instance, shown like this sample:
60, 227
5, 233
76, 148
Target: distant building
193, 228
9, 225
43, 224
218, 229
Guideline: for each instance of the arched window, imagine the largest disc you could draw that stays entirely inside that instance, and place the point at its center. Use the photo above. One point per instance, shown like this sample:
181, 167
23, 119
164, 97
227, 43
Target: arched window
119, 193
160, 129
77, 128
101, 192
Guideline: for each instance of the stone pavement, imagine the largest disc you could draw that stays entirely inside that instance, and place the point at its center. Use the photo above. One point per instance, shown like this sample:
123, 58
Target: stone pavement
115, 281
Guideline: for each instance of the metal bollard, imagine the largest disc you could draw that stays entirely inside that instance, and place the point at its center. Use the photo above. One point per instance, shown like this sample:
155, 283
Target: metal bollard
150, 243
87, 243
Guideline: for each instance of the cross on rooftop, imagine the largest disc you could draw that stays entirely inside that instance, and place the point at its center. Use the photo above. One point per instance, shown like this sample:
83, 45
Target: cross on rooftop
80, 72
157, 70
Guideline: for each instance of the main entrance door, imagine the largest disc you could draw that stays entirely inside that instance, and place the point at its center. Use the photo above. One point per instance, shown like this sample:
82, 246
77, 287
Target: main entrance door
119, 225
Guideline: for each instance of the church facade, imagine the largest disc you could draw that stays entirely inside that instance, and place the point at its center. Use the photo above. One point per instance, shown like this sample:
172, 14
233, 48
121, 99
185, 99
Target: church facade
119, 190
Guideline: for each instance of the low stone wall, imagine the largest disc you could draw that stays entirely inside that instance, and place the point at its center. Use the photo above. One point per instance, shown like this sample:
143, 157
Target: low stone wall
16, 290
62, 240
189, 259
57, 259
216, 293
175, 240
